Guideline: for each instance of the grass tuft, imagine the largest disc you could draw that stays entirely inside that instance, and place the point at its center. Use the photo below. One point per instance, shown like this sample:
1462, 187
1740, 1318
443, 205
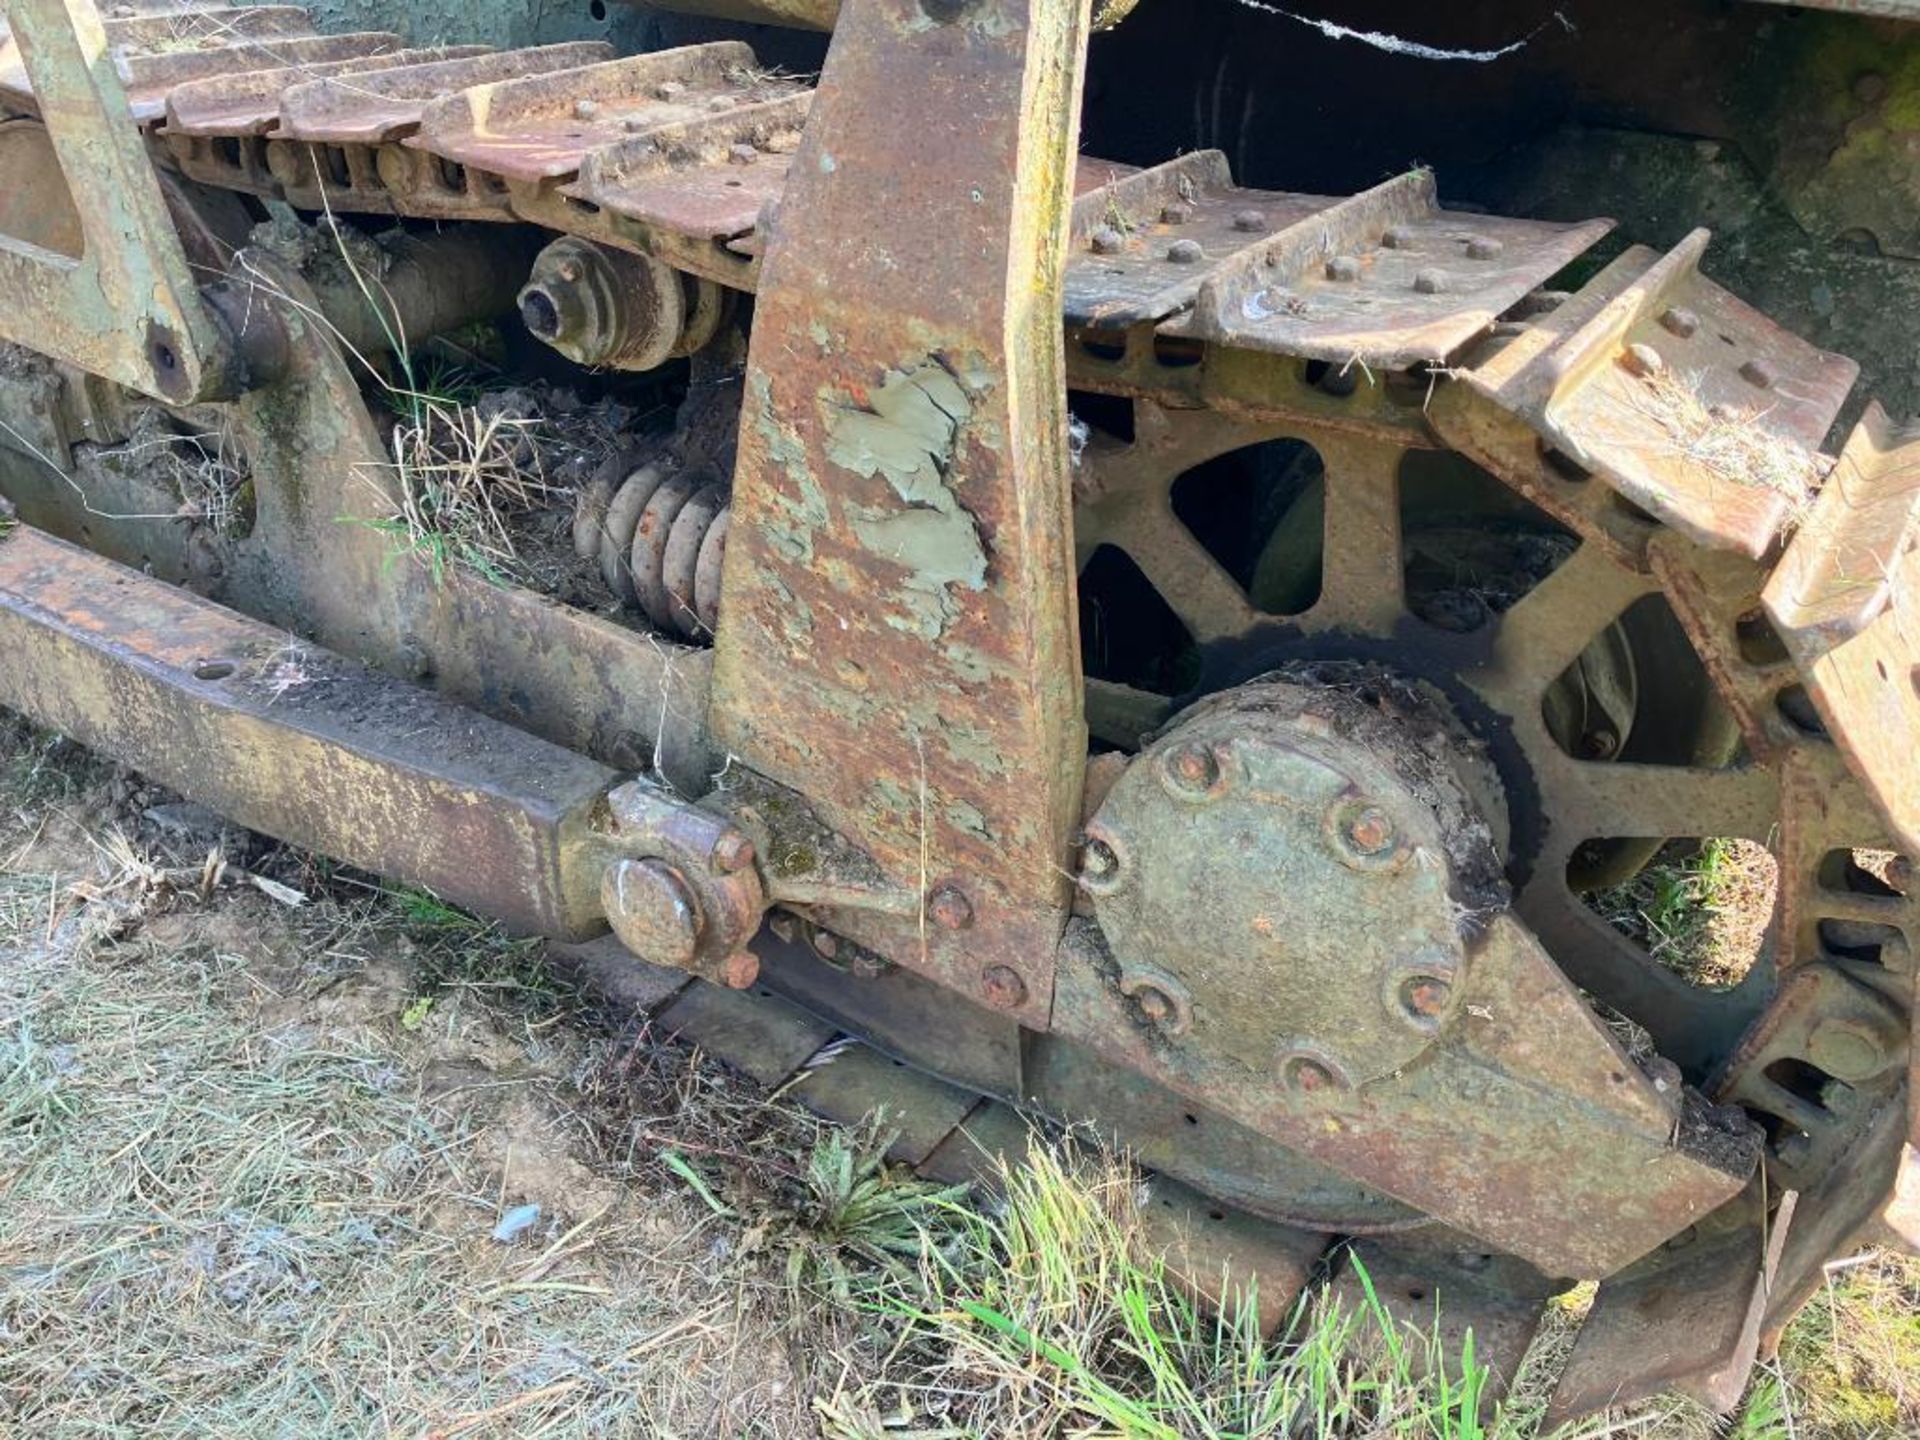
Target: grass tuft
460, 473
1700, 908
1729, 442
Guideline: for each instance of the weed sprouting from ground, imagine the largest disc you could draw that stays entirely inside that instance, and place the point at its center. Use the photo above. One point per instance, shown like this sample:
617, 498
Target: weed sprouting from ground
865, 1226
1052, 1315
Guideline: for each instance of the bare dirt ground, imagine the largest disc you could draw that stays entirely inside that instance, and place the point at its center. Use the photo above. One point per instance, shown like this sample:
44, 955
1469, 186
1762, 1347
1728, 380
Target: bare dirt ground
286, 1153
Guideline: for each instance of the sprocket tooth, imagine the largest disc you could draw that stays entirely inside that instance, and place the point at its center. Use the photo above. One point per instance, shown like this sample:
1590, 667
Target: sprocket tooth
1846, 600
1693, 406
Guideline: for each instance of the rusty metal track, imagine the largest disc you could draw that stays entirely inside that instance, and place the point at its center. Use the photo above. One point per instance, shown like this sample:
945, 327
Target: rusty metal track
1270, 309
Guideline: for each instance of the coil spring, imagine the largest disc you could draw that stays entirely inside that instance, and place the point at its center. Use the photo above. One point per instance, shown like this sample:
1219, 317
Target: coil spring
659, 534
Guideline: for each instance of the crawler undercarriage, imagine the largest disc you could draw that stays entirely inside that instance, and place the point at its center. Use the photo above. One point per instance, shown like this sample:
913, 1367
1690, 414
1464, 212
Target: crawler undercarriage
1127, 644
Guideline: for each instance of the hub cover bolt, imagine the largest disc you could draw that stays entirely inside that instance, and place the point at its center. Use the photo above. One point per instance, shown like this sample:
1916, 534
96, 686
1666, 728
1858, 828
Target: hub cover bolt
1194, 769
826, 944
1186, 252
732, 853
1308, 1075
1153, 1004
1371, 830
949, 908
1107, 241
1426, 996
1004, 988
1250, 222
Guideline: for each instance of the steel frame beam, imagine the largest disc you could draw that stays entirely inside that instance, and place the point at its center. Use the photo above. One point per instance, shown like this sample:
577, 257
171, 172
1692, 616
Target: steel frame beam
294, 741
127, 307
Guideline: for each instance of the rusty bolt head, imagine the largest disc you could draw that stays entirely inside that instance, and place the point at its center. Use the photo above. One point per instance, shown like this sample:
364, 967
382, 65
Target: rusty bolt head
949, 908
740, 970
1643, 360
1430, 282
742, 155
1344, 269
732, 853
721, 102
1192, 770
1396, 237
1178, 213
1155, 1004
1251, 222
1680, 321
652, 911
1107, 241
785, 925
1793, 1150
1370, 831
585, 109
1758, 374
1599, 744
1186, 252
1846, 1051
865, 965
1308, 1075
669, 90
825, 943
1003, 987
1425, 997
1482, 247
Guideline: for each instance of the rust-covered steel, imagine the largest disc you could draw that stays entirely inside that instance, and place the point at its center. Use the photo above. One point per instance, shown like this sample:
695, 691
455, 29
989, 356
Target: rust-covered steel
287, 738
901, 506
127, 307
1307, 930
1843, 599
1385, 279
1687, 1318
1620, 393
